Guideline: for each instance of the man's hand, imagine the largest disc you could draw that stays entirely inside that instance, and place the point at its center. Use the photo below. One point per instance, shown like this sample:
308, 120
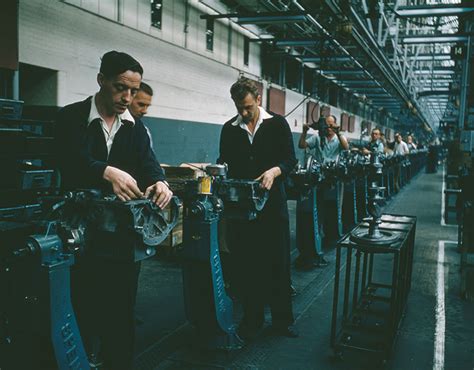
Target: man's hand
268, 177
160, 194
124, 185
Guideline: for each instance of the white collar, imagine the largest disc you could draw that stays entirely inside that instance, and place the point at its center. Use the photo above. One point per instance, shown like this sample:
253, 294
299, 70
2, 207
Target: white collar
94, 114
263, 115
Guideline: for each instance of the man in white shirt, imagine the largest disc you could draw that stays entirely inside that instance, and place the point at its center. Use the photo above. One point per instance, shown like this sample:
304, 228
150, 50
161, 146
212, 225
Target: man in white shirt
324, 147
400, 148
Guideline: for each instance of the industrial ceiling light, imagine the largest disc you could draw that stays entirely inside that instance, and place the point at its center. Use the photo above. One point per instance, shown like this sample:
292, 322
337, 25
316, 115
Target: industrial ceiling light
433, 39
275, 19
429, 57
296, 42
358, 82
331, 59
342, 72
433, 10
434, 72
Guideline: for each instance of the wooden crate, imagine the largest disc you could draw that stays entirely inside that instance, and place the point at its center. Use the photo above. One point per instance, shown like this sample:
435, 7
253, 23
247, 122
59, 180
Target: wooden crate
175, 237
178, 175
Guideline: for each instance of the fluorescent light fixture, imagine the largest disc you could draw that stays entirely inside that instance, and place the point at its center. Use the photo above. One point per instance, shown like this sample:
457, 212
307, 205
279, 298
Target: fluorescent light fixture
433, 10
342, 72
319, 59
296, 42
271, 19
430, 57
434, 72
368, 88
433, 39
358, 82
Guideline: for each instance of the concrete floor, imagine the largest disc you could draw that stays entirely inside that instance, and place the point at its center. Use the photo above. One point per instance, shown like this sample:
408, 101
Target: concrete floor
165, 340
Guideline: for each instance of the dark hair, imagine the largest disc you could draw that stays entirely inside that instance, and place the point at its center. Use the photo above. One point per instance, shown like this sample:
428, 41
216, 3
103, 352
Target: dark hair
377, 129
114, 63
244, 86
146, 88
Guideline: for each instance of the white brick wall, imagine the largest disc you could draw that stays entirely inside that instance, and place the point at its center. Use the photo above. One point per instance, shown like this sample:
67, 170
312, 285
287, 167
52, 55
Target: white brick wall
191, 83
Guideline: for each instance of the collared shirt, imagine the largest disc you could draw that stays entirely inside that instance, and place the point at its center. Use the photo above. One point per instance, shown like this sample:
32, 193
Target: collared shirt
376, 146
239, 121
401, 148
330, 150
120, 119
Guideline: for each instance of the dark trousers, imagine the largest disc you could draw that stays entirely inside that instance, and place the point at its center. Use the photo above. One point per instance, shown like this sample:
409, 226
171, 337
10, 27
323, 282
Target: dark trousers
260, 251
307, 247
328, 207
103, 294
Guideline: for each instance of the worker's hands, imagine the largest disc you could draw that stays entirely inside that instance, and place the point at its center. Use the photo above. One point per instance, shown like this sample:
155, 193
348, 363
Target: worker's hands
306, 127
336, 129
160, 194
266, 179
124, 185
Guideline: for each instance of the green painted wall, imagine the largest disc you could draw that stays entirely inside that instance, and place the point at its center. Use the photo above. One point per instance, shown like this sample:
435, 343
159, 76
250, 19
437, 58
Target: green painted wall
176, 141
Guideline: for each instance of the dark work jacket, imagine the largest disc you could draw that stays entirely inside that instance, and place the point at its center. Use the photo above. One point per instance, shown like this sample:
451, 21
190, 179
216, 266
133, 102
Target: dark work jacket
272, 146
81, 151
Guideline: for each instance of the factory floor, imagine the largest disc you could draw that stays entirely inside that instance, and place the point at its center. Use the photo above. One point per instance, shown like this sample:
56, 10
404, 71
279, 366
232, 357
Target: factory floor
437, 331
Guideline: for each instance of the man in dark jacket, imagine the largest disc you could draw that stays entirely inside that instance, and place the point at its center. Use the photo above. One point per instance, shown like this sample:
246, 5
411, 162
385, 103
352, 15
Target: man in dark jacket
101, 146
258, 145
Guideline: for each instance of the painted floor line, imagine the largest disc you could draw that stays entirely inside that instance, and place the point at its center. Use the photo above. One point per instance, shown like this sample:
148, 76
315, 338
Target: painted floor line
440, 311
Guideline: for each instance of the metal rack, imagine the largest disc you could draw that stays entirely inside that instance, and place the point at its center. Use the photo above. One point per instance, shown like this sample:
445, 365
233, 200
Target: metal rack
372, 308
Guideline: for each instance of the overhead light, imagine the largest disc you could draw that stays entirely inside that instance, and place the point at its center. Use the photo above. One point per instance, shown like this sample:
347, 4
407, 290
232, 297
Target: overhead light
368, 88
343, 72
271, 19
430, 57
434, 72
296, 42
433, 10
430, 39
358, 82
331, 59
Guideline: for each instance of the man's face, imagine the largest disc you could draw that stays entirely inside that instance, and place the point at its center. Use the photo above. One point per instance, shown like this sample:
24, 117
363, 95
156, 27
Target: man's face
118, 91
398, 138
140, 104
248, 107
375, 135
331, 125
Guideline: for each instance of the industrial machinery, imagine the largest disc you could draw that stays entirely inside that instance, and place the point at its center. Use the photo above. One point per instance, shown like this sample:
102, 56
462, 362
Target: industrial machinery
308, 183
35, 261
207, 201
42, 233
304, 189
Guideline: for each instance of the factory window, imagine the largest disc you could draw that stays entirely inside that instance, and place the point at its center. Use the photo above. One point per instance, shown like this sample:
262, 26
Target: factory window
246, 50
276, 101
352, 121
156, 11
344, 122
210, 34
312, 112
